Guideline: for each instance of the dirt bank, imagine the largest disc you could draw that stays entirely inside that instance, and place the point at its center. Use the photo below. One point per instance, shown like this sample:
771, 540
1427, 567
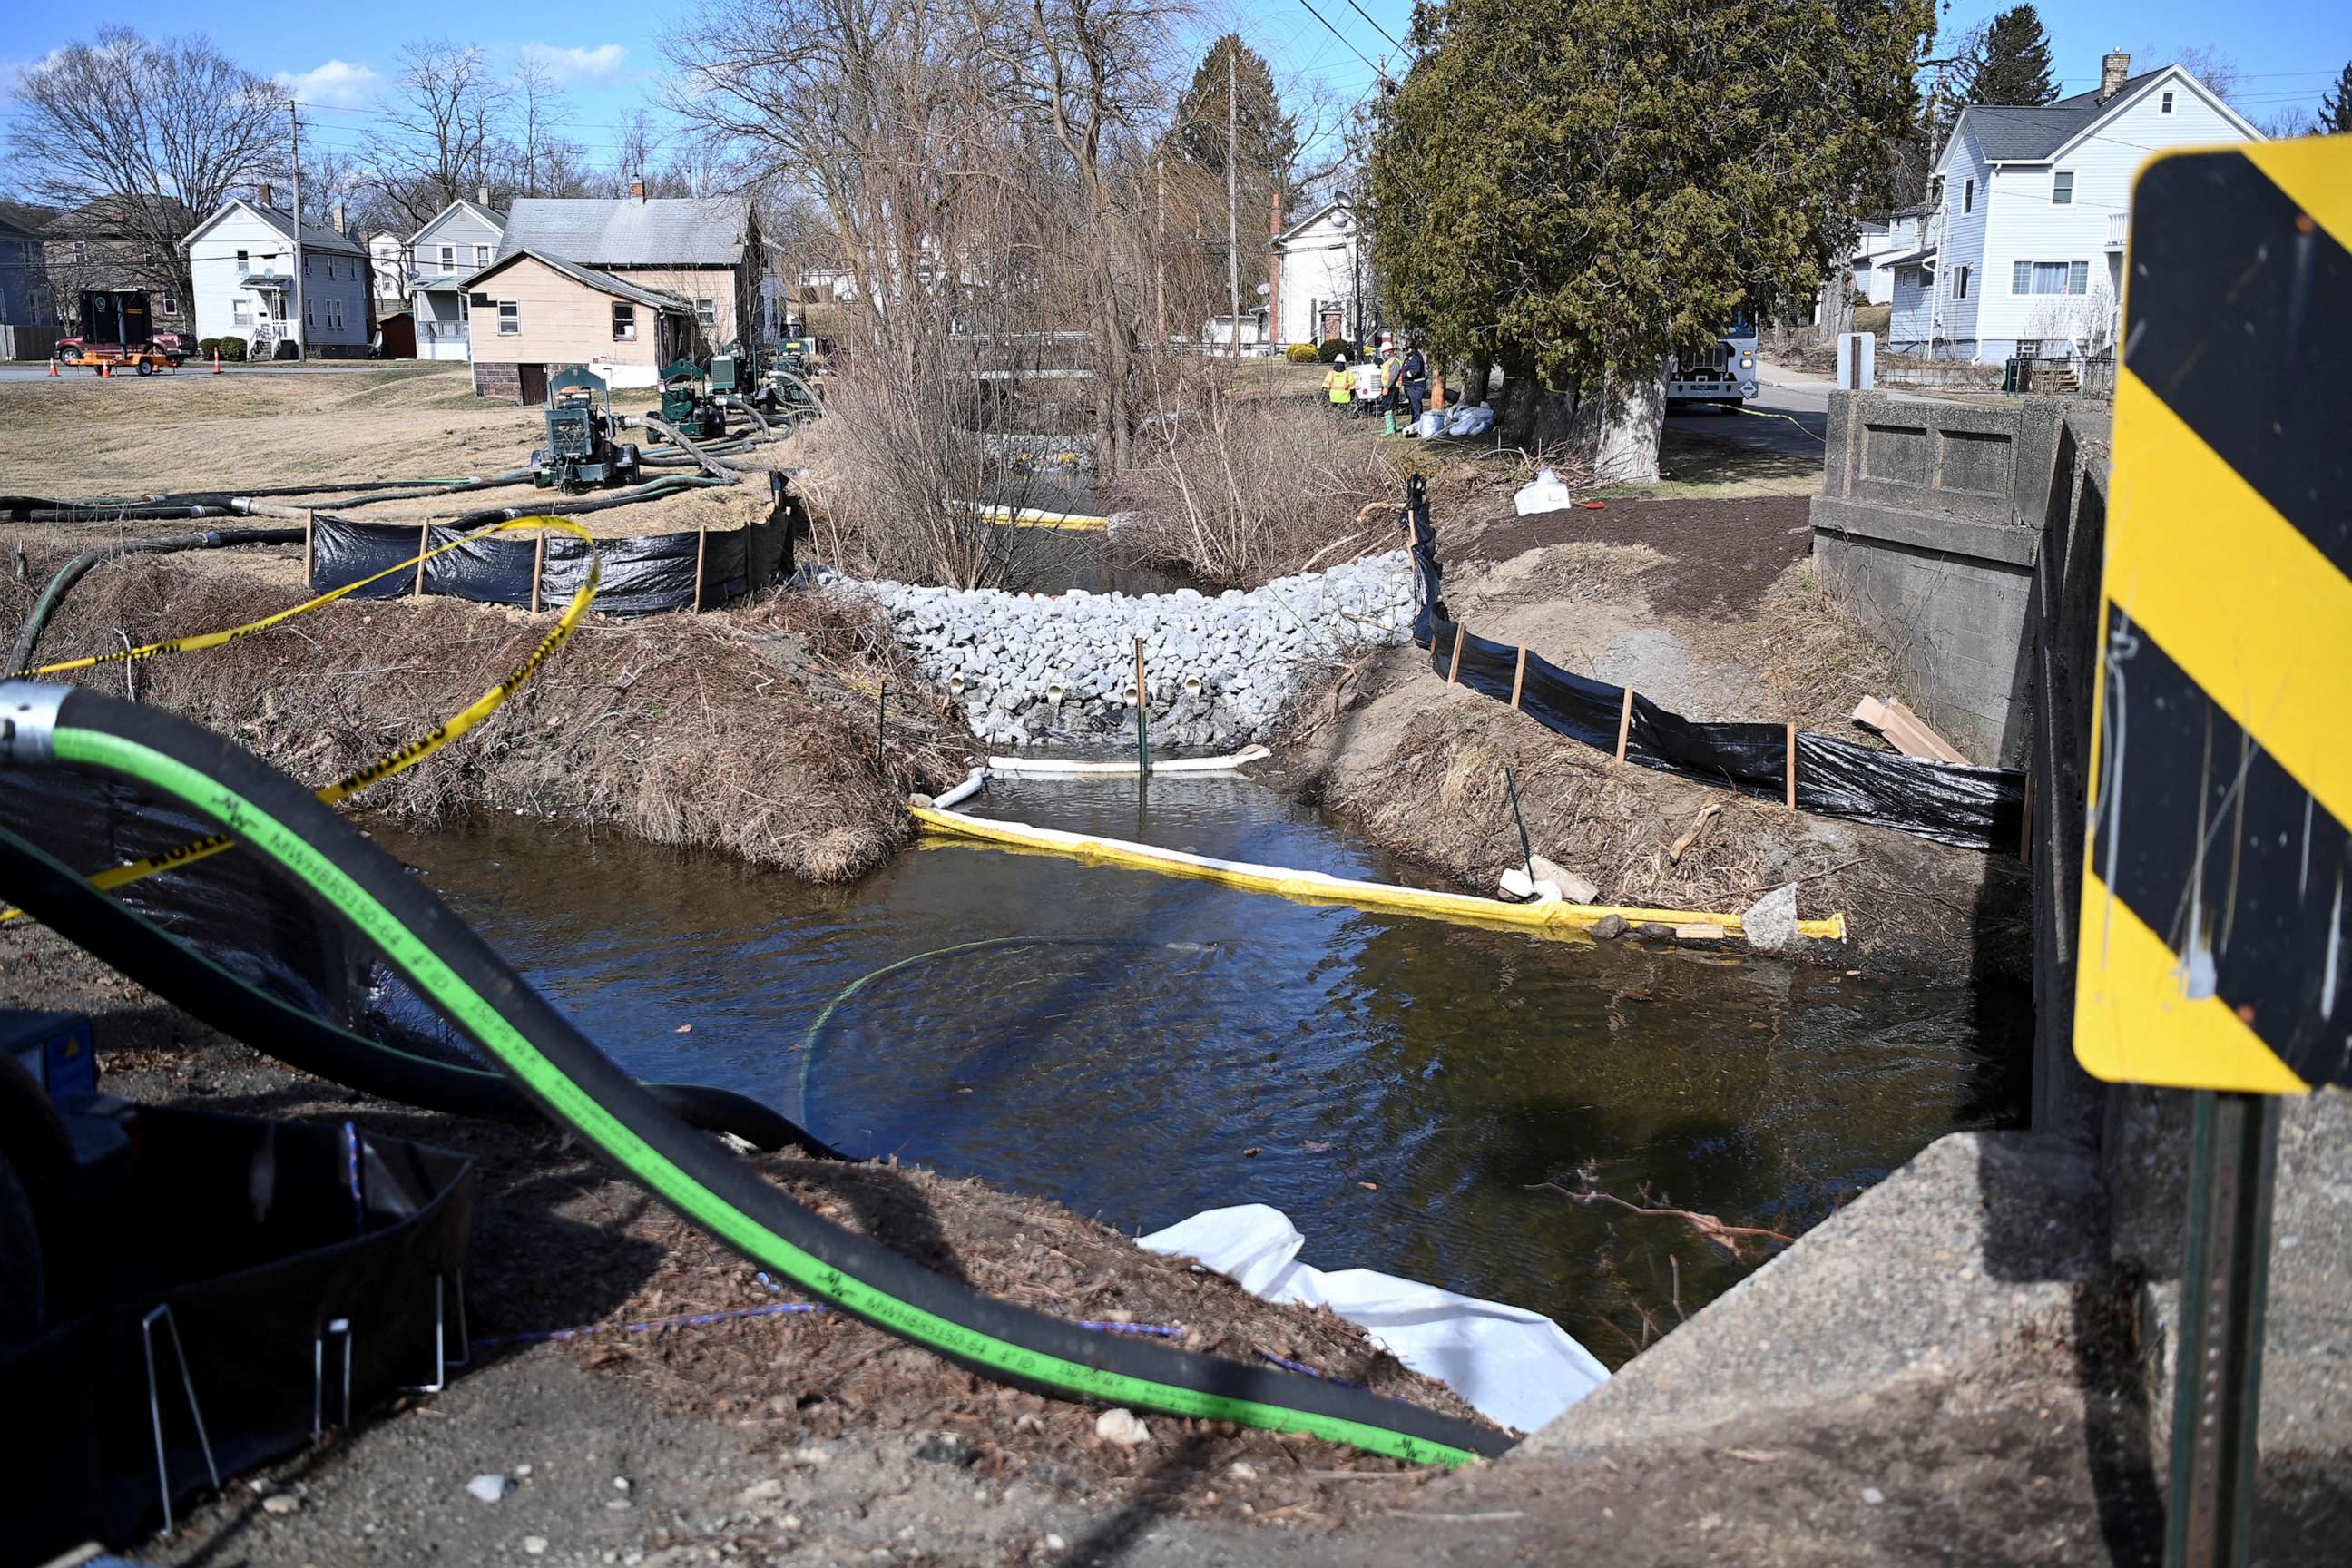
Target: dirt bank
792, 1437
1708, 607
750, 729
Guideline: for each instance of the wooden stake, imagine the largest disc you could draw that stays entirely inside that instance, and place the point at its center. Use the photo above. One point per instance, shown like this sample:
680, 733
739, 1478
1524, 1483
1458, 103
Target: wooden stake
310, 545
1455, 668
424, 544
2025, 827
538, 569
1624, 722
701, 545
1519, 677
1792, 764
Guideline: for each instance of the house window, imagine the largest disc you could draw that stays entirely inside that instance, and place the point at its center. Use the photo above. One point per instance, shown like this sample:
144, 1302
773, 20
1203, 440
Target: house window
510, 318
624, 323
241, 311
482, 256
81, 252
167, 305
2049, 277
241, 263
1968, 196
2166, 107
1960, 282
2061, 188
448, 259
705, 315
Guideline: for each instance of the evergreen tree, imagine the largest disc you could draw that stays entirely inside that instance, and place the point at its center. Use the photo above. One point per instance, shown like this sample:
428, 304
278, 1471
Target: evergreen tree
1578, 188
2335, 105
2014, 65
1266, 138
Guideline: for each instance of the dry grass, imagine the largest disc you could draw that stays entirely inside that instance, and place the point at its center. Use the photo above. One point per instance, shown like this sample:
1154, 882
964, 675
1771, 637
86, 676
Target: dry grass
750, 731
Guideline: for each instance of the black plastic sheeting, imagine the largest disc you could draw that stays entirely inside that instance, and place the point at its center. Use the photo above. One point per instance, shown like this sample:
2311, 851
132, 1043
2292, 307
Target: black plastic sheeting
643, 576
1970, 808
250, 1233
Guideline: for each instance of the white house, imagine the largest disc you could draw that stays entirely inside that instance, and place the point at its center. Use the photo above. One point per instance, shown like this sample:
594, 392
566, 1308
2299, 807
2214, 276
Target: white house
457, 242
2025, 255
1315, 278
242, 260
388, 268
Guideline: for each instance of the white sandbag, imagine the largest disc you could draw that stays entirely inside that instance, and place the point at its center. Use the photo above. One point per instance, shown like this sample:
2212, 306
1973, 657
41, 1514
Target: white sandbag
1429, 423
1547, 494
1514, 1366
1473, 420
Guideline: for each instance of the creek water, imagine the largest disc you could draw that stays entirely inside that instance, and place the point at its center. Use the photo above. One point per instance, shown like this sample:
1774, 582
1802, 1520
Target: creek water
1140, 1047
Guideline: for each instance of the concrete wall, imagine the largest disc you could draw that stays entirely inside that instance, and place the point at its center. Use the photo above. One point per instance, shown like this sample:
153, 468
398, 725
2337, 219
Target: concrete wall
1928, 527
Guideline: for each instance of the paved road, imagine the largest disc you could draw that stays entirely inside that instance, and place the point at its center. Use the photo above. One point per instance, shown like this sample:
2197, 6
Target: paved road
39, 371
1790, 415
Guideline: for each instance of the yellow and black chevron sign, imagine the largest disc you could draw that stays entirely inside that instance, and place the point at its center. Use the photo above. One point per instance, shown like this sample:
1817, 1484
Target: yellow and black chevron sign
2216, 947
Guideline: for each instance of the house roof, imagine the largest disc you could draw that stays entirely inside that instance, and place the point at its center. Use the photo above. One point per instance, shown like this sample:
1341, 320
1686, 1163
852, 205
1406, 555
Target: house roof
315, 237
1311, 219
24, 220
493, 219
662, 231
588, 277
1925, 257
102, 217
2006, 134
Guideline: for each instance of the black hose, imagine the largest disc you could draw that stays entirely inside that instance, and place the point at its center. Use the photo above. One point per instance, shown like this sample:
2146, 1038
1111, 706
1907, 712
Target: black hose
549, 1059
28, 636
685, 443
652, 489
53, 894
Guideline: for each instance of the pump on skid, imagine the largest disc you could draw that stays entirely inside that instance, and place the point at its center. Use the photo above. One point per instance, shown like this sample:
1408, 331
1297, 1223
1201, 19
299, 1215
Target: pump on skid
583, 441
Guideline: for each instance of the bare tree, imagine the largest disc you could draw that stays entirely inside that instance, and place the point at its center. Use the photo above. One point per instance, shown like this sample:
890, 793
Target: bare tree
160, 133
539, 159
2287, 123
441, 128
2207, 63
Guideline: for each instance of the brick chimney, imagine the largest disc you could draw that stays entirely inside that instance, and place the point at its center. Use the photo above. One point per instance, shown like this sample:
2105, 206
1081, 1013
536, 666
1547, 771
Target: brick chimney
637, 190
2114, 71
263, 195
1274, 279
336, 215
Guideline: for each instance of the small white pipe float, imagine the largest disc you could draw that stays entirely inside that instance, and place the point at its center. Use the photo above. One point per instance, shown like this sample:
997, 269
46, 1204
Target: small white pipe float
1065, 767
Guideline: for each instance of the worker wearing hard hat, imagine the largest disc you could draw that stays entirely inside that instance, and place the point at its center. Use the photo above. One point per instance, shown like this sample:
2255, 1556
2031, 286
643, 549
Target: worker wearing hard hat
1339, 384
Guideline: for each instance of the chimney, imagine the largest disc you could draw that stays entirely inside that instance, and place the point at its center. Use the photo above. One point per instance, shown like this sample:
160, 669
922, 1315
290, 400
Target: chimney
482, 195
262, 194
335, 215
1274, 281
2114, 71
637, 190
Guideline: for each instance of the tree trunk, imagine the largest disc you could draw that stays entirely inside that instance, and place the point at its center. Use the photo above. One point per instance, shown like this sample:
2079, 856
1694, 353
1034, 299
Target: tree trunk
1630, 419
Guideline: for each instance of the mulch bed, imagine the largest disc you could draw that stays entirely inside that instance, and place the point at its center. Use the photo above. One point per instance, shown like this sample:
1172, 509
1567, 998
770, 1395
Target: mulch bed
1722, 554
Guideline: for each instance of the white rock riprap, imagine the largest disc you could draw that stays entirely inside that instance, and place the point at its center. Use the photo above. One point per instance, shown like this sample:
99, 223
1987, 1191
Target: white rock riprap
1027, 667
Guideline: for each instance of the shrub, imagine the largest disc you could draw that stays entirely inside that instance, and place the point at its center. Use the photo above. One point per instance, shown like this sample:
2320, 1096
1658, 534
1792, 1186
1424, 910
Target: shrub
206, 346
1333, 348
1300, 354
230, 348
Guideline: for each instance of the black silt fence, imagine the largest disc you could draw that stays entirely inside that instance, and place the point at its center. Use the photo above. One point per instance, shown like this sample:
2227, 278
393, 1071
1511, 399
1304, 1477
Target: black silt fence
1952, 802
701, 569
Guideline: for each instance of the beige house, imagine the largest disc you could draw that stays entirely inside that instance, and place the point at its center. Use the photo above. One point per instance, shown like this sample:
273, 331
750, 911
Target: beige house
535, 314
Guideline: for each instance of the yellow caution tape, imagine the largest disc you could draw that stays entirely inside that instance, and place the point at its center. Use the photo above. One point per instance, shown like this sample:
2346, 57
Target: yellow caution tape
1317, 887
392, 762
1030, 517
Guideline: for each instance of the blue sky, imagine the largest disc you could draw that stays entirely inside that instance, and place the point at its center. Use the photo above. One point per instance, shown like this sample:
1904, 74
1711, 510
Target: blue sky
608, 56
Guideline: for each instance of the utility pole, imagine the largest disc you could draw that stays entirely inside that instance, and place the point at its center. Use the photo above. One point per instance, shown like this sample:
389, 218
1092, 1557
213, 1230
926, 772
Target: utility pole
1232, 215
302, 323
1160, 251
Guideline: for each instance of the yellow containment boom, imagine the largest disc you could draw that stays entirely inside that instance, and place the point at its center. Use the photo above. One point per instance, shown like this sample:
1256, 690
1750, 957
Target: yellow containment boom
1320, 887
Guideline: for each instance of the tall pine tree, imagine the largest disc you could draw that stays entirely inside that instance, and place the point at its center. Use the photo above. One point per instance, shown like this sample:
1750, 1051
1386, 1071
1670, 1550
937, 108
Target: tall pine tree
2335, 105
2014, 65
1266, 138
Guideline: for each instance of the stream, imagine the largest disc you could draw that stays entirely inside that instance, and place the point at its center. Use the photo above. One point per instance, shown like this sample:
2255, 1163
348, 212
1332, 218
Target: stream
1139, 1047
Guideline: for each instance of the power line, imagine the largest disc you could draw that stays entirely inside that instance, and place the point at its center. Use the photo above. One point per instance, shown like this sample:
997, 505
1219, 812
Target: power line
1335, 32
1383, 32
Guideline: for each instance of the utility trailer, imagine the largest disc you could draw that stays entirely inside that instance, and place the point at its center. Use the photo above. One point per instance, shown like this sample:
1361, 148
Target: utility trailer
118, 332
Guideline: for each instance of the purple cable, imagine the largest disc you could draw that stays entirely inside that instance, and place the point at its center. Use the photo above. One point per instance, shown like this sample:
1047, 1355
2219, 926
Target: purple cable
1300, 1366
352, 1172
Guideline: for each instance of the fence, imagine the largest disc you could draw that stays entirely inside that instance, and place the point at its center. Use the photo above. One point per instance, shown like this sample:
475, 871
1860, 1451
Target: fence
28, 343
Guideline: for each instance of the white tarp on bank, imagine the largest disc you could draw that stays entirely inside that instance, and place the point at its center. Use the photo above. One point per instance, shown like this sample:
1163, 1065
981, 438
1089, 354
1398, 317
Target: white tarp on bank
1516, 1366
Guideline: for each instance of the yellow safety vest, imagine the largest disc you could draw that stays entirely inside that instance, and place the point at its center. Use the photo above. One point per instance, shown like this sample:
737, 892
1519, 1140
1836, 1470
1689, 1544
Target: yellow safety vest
1340, 384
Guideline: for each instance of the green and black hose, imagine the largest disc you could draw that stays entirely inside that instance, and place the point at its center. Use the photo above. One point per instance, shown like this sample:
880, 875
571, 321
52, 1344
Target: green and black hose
580, 1088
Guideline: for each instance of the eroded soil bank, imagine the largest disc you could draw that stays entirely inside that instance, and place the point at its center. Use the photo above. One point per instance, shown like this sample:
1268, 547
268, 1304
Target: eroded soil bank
1708, 607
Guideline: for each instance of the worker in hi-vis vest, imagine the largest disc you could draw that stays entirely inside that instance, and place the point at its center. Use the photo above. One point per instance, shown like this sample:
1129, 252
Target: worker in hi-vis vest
1340, 384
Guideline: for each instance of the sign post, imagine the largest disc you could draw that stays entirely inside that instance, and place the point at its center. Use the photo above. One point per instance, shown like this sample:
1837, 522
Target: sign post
2216, 945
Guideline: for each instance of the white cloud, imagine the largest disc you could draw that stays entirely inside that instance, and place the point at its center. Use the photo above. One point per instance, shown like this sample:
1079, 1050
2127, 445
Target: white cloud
338, 84
573, 65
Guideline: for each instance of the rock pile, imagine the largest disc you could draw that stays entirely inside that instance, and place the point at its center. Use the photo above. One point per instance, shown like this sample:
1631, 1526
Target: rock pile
1026, 668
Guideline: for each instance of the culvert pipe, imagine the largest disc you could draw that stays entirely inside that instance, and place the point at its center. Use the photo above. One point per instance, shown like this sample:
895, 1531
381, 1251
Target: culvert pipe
582, 1090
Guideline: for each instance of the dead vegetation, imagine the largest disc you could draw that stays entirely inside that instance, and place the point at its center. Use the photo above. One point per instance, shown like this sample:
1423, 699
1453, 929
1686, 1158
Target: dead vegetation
750, 730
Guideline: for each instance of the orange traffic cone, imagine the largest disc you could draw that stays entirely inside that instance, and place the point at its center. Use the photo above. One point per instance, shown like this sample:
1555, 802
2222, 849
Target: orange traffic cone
53, 364
215, 362
106, 370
